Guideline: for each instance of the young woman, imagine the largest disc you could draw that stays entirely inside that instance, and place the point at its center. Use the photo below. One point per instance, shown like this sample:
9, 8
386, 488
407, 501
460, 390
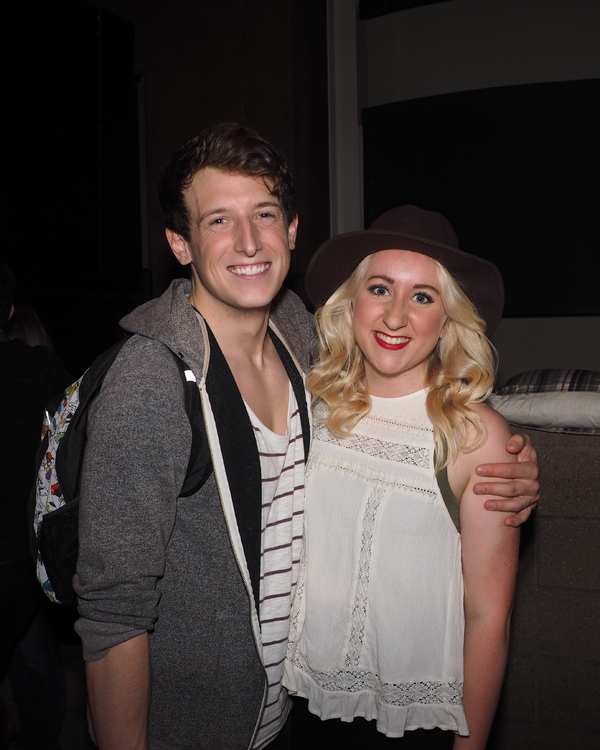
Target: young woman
400, 625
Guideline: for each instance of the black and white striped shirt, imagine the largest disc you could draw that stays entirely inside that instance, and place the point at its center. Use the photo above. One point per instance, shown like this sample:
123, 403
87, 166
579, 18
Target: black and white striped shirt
282, 470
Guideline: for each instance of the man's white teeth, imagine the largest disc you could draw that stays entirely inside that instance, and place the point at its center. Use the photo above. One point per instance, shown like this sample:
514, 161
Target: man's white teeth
393, 340
249, 270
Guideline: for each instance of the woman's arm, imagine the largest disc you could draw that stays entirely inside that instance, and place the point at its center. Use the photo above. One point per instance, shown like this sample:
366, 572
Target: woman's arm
490, 554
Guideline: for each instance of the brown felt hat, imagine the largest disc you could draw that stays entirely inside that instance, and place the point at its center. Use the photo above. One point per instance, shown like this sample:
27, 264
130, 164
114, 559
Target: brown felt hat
408, 228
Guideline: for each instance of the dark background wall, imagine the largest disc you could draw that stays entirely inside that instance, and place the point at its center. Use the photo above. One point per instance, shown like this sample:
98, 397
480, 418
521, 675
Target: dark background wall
104, 94
516, 169
98, 95
485, 113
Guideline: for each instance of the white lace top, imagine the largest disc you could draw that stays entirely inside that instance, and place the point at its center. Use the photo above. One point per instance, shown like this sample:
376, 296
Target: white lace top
377, 623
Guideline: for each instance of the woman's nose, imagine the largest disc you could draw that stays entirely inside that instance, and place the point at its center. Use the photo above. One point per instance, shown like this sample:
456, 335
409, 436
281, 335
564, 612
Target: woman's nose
396, 316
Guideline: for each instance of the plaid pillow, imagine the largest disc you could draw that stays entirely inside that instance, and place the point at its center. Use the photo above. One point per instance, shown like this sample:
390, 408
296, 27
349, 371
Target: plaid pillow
574, 412
542, 381
552, 400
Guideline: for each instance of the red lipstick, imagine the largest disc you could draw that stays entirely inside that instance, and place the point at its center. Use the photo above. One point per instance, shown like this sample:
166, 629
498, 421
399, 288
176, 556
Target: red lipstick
394, 343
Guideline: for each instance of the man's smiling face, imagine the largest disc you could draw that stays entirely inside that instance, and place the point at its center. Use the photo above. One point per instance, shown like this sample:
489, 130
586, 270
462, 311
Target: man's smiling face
240, 242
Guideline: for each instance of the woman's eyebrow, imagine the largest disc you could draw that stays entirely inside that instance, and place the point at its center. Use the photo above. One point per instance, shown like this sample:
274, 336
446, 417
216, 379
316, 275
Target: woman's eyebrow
381, 276
427, 286
389, 280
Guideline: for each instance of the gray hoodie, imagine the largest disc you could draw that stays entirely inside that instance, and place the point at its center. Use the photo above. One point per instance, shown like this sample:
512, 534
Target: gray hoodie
183, 569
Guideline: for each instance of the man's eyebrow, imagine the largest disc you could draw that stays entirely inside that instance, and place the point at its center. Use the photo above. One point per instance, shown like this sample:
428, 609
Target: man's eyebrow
223, 210
269, 204
212, 212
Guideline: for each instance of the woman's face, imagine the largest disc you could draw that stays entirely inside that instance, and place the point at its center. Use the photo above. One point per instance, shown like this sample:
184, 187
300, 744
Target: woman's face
398, 319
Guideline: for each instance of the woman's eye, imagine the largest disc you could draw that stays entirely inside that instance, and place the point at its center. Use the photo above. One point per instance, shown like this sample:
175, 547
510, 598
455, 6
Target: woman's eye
422, 297
378, 290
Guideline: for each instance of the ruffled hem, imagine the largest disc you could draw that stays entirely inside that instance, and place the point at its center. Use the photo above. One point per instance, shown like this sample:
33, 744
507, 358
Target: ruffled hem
392, 721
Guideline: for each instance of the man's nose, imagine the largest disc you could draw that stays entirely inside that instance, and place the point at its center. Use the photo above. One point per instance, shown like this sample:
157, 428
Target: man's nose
247, 238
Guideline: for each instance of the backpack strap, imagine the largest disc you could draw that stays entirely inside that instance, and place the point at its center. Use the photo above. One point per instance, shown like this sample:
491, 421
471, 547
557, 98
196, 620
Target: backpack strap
70, 458
200, 462
71, 455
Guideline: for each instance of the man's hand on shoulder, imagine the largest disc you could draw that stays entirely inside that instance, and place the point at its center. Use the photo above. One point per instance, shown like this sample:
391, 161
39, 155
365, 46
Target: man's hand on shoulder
520, 495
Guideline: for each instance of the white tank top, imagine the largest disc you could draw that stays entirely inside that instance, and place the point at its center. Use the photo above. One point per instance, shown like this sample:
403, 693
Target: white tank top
377, 622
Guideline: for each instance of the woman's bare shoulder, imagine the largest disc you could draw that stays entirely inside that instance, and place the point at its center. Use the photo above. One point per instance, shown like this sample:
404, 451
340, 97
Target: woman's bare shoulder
496, 426
461, 471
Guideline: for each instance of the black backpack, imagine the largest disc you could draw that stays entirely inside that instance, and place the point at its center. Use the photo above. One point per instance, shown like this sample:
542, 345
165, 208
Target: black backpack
54, 501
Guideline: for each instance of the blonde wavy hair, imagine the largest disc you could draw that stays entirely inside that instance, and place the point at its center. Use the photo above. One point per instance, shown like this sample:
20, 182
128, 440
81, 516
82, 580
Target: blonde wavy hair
460, 370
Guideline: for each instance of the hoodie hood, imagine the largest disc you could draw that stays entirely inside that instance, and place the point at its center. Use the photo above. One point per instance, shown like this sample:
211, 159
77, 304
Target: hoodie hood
167, 317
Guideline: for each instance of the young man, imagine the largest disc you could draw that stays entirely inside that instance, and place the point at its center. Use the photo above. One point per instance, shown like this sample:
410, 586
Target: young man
185, 601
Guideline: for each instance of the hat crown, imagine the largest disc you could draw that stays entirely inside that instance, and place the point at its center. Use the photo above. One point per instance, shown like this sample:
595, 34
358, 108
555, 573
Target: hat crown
416, 230
412, 221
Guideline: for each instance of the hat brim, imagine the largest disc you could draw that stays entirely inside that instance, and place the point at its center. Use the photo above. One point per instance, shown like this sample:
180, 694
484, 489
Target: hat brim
337, 258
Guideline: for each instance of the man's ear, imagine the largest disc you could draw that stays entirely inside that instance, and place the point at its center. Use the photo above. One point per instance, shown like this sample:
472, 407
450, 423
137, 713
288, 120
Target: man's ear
292, 231
179, 247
